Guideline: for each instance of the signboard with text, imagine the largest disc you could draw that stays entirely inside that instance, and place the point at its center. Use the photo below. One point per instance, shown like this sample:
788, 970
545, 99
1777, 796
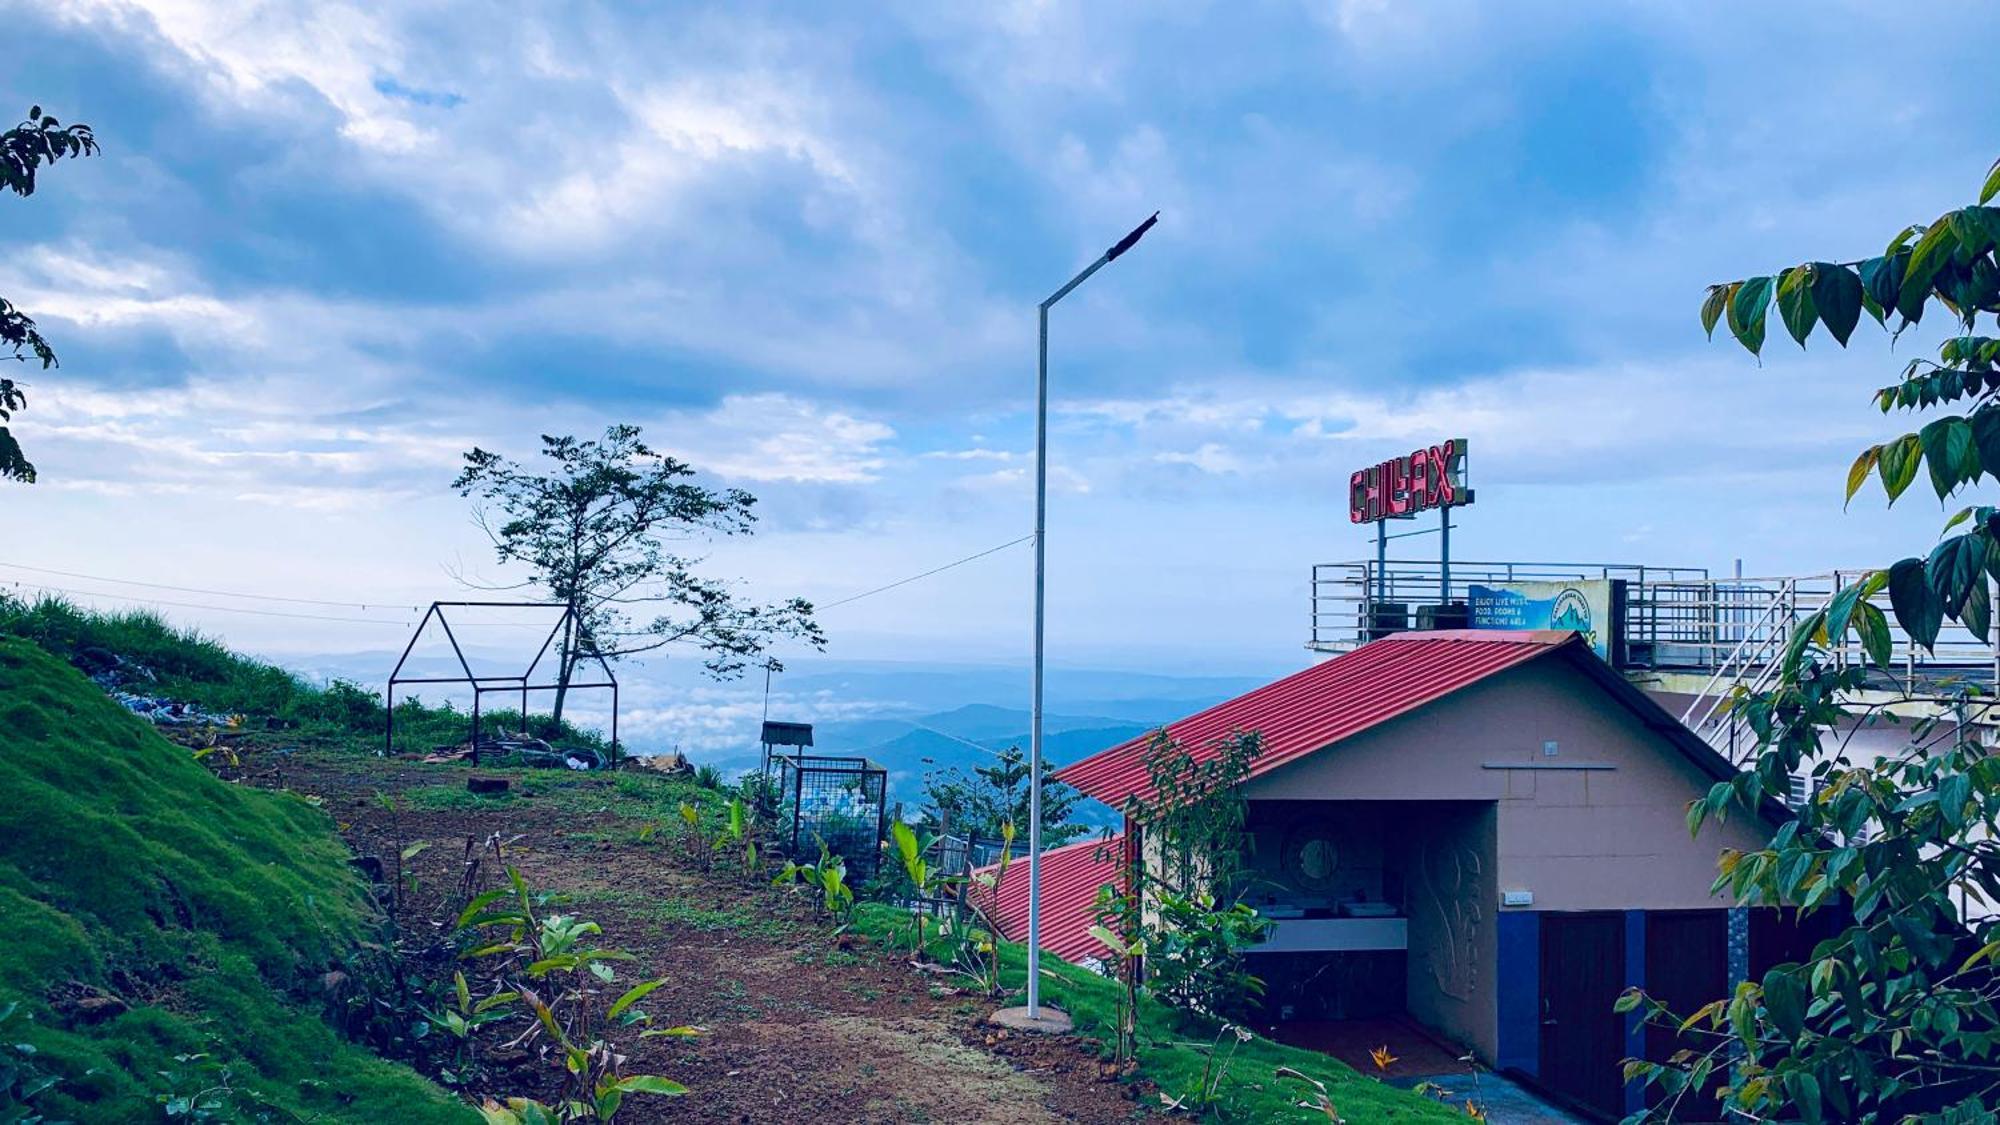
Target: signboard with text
1403, 486
1591, 607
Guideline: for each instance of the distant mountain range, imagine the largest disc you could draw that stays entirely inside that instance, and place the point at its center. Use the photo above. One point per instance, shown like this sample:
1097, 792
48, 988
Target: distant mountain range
964, 738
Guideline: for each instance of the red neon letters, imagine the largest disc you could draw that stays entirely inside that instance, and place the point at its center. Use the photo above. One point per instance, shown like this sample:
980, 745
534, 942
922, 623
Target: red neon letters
1429, 478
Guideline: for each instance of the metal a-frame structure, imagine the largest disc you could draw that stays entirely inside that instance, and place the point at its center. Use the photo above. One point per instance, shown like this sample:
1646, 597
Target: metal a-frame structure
481, 685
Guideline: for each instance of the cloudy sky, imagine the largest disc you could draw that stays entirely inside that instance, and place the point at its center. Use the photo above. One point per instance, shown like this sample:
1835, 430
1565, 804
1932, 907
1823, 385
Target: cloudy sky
328, 248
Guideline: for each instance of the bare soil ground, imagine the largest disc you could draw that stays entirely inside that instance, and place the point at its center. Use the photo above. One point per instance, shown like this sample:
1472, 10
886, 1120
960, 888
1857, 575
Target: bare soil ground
800, 1027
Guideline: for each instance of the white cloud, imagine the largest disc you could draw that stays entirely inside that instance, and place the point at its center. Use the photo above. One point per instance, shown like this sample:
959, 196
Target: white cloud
251, 51
1210, 457
97, 292
682, 134
773, 437
1002, 455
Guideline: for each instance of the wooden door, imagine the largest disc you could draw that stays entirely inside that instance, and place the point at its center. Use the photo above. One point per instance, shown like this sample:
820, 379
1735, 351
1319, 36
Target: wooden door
1687, 965
1583, 1040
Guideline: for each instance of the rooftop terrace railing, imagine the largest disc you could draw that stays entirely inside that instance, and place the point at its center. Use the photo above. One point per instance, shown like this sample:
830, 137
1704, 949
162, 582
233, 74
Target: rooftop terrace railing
1677, 619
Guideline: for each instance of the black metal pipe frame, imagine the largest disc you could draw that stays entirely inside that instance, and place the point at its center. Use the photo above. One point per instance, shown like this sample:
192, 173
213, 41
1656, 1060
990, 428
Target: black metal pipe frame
480, 684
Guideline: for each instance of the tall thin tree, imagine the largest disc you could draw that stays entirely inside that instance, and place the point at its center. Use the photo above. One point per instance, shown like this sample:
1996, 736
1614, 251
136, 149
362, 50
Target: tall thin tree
593, 533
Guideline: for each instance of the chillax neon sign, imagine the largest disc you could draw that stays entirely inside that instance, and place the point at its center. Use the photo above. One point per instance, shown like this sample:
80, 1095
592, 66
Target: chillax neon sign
1403, 486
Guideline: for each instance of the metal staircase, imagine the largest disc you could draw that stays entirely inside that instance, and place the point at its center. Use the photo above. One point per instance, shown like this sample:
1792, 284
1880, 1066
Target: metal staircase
1754, 664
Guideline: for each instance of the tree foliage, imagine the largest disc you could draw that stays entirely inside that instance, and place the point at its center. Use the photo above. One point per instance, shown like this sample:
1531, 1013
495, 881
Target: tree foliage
1894, 1017
1178, 902
593, 531
983, 801
1196, 812
39, 140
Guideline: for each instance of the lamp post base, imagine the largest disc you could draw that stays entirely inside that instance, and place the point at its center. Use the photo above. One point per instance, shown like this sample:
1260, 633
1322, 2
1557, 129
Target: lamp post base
1050, 1021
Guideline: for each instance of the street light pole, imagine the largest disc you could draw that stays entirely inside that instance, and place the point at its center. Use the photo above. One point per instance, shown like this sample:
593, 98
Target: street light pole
1041, 570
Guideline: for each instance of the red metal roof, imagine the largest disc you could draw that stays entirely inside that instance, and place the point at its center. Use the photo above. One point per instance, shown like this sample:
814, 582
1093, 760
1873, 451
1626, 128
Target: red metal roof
1311, 710
1071, 875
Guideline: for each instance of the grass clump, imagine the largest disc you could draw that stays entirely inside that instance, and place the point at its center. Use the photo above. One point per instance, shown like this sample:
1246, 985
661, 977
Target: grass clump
1167, 1054
165, 921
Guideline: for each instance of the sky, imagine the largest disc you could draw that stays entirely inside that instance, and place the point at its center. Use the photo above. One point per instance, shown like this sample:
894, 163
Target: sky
329, 247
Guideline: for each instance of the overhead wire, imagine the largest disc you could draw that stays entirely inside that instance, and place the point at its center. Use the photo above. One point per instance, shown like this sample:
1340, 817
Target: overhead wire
927, 573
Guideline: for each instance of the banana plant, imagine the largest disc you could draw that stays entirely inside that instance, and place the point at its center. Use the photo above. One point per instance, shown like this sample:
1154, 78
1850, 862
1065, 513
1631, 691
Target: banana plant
738, 831
828, 876
697, 840
912, 850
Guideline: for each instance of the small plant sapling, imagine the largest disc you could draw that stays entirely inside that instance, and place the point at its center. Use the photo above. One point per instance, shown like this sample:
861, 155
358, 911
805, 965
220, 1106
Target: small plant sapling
835, 895
740, 833
1198, 960
1121, 910
979, 893
697, 838
462, 1020
556, 969
829, 877
922, 877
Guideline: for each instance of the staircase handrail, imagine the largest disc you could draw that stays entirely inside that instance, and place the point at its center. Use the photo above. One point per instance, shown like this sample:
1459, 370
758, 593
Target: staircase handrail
1784, 598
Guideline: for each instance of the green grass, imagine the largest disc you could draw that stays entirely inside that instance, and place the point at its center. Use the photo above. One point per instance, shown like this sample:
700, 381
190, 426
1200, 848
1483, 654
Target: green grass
1171, 1057
639, 796
127, 867
742, 920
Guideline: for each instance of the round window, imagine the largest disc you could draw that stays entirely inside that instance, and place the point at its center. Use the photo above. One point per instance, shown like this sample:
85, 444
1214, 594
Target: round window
1311, 858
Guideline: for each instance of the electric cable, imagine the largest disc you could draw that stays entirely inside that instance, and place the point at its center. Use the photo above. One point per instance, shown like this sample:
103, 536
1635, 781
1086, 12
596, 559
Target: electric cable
927, 573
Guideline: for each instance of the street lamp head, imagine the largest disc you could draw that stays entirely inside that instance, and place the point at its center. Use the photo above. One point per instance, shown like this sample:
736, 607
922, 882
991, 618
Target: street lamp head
1130, 240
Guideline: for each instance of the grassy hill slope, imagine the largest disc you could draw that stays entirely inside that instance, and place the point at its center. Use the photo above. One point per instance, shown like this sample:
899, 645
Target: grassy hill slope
155, 911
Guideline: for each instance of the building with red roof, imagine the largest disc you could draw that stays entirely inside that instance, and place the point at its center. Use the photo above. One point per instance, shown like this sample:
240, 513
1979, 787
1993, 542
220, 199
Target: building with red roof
1484, 830
1071, 876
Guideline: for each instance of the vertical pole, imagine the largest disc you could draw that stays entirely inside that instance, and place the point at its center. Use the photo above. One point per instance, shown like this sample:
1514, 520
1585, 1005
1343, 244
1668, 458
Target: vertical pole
1035, 721
475, 726
389, 726
1381, 577
1444, 556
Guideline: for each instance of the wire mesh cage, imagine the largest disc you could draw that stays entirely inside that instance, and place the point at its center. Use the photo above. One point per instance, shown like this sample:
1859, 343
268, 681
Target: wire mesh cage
843, 801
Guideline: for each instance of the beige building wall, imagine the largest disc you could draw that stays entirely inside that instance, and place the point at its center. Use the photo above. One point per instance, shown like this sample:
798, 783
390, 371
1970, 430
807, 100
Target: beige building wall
1599, 825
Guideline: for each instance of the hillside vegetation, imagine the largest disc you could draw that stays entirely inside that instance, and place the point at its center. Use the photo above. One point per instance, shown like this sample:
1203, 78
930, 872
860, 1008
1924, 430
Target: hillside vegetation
141, 652
169, 931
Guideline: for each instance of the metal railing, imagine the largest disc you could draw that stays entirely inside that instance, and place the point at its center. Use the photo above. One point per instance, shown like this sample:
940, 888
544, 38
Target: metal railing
1673, 619
1352, 603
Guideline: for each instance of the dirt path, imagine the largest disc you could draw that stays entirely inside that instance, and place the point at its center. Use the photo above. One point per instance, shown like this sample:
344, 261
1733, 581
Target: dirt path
800, 1028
